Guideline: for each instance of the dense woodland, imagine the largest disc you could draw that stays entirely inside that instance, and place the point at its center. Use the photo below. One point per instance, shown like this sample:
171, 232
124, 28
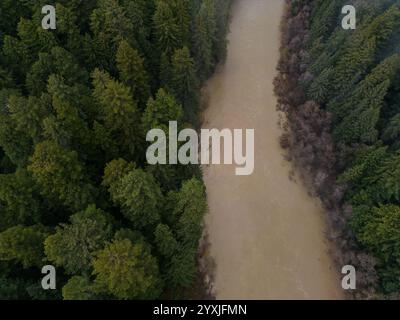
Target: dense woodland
75, 106
340, 90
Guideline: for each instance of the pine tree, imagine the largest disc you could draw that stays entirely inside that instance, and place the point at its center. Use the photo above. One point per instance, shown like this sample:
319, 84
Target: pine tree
19, 200
132, 72
165, 240
362, 110
138, 195
73, 245
24, 245
387, 180
188, 212
161, 110
110, 25
204, 39
127, 271
79, 288
166, 28
184, 83
118, 113
181, 10
61, 176
391, 133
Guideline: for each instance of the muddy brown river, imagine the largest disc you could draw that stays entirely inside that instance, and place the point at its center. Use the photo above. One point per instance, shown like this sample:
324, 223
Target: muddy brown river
266, 233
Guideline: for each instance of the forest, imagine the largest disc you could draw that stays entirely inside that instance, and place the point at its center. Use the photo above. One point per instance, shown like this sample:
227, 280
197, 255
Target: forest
340, 90
76, 103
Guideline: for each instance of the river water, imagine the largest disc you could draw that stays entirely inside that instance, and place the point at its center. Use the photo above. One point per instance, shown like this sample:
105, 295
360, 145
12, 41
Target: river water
266, 233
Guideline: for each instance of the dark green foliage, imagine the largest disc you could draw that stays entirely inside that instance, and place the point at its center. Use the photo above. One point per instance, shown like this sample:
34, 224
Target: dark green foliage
20, 202
132, 72
11, 289
378, 229
138, 195
126, 270
79, 288
183, 82
179, 244
75, 106
354, 76
24, 245
73, 245
161, 110
60, 175
205, 38
118, 114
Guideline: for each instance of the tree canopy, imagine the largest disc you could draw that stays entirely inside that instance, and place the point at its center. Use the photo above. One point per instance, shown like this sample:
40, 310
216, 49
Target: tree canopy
76, 103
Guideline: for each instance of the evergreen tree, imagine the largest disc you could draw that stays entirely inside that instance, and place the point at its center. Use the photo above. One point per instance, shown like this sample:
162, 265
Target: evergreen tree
118, 114
184, 83
166, 28
165, 240
377, 228
73, 245
391, 133
24, 245
205, 38
110, 25
19, 200
127, 271
61, 131
61, 176
79, 288
132, 72
161, 110
138, 194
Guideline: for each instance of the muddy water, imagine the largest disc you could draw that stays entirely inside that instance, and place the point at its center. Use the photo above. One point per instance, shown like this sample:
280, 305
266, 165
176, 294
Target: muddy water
266, 232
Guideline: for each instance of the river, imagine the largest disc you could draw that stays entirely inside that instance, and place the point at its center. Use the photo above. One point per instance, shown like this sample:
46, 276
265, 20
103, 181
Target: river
266, 233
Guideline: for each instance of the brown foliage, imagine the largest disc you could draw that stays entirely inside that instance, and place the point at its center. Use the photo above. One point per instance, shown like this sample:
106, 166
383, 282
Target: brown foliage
311, 148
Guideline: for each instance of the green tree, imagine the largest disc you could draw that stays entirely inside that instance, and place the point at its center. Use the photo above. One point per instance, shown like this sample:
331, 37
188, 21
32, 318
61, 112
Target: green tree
59, 61
184, 83
321, 86
24, 245
138, 194
377, 229
182, 268
67, 127
205, 36
132, 72
181, 10
140, 13
165, 240
73, 245
190, 209
391, 133
116, 170
362, 111
161, 110
127, 271
118, 114
386, 182
109, 24
17, 145
61, 176
78, 288
166, 28
21, 51
363, 46
19, 200
27, 114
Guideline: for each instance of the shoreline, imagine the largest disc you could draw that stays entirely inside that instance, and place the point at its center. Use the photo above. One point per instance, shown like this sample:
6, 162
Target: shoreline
265, 231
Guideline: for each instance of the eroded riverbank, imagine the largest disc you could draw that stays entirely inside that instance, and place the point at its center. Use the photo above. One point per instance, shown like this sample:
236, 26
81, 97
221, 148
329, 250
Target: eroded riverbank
266, 233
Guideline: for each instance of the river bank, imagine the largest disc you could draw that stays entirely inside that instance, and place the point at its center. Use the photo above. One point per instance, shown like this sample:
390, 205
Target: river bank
265, 232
